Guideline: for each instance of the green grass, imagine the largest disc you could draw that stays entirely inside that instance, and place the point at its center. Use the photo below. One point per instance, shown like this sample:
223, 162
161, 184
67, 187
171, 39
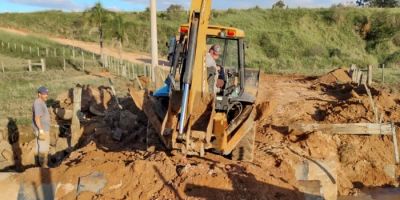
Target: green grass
18, 89
278, 40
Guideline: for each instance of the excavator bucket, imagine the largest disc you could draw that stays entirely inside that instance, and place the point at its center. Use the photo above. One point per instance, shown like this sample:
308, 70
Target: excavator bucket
151, 107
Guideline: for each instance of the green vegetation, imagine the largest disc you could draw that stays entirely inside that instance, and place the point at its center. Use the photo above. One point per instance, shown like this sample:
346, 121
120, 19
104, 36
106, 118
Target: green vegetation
279, 40
22, 48
18, 89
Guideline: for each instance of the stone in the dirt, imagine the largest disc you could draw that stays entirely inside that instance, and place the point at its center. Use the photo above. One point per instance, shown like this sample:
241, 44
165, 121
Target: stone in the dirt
323, 171
127, 120
28, 155
311, 189
390, 171
6, 155
64, 114
93, 182
117, 134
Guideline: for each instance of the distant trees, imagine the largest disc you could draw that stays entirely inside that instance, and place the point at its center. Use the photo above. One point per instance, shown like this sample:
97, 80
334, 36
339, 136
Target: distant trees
97, 17
118, 31
378, 3
175, 8
279, 4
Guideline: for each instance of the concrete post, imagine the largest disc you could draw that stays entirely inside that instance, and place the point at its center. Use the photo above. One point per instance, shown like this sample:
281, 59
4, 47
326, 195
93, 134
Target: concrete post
83, 61
383, 73
369, 75
154, 46
43, 64
30, 65
75, 124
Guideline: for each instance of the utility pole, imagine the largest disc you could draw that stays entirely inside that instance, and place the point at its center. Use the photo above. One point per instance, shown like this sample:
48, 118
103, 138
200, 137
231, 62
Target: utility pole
154, 46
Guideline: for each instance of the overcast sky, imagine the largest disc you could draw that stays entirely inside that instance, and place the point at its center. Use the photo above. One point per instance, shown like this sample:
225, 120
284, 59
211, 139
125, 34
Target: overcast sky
139, 5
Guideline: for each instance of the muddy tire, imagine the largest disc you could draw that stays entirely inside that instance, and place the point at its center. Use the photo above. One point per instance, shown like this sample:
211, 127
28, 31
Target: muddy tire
244, 151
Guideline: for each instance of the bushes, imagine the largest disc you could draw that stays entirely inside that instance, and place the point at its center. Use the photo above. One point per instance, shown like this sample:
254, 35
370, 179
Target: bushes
314, 51
270, 49
396, 39
393, 59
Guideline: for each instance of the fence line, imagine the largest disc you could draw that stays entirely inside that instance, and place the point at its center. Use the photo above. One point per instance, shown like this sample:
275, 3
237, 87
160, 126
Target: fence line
116, 66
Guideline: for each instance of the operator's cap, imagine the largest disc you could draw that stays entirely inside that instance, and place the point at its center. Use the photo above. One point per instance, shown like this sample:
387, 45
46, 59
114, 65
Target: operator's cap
43, 90
216, 48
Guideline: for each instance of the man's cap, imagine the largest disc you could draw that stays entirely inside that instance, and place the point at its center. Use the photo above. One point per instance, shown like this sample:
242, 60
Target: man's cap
43, 90
216, 48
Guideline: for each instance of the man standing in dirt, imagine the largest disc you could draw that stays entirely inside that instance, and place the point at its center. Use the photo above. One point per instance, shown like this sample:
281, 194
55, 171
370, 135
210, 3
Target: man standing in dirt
41, 126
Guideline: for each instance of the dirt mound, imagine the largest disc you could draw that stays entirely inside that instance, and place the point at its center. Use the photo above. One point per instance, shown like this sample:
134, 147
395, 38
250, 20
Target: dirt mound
340, 75
124, 169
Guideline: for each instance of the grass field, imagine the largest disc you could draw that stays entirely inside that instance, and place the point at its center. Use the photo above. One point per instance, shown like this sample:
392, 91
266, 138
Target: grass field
18, 89
279, 40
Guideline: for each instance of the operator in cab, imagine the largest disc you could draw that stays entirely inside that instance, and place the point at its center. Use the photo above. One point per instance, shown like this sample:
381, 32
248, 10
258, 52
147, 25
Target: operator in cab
214, 71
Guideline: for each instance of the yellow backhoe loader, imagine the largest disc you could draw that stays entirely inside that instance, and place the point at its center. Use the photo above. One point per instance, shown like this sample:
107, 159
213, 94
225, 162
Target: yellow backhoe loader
189, 113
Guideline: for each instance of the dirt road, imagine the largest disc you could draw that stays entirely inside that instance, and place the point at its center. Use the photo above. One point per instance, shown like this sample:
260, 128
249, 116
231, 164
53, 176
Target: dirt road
134, 57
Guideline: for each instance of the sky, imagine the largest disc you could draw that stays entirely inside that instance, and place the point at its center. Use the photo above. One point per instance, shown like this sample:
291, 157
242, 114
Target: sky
140, 5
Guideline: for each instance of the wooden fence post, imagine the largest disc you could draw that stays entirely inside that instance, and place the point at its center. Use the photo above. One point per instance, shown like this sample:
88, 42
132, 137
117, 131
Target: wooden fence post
369, 82
38, 51
47, 52
118, 69
30, 65
75, 124
396, 147
83, 61
42, 61
64, 65
30, 50
92, 56
8, 45
55, 52
383, 73
63, 51
73, 52
22, 48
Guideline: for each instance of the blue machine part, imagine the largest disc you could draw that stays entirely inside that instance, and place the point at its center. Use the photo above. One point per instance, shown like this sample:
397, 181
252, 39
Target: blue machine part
162, 92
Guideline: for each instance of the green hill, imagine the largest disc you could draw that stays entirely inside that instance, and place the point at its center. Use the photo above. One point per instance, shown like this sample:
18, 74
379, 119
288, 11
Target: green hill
304, 40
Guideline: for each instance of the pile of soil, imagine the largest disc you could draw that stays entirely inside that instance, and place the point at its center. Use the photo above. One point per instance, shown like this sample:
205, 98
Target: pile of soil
340, 75
133, 171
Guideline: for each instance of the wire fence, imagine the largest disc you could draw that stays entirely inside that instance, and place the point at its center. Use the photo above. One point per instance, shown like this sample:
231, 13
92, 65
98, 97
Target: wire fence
64, 57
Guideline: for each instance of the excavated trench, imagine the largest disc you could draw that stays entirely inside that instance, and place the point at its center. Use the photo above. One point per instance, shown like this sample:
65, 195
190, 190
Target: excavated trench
285, 166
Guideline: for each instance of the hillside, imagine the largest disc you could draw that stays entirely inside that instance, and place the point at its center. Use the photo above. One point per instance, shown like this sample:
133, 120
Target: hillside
295, 40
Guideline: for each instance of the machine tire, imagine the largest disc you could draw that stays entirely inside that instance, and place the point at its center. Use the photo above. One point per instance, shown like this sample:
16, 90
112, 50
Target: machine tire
244, 151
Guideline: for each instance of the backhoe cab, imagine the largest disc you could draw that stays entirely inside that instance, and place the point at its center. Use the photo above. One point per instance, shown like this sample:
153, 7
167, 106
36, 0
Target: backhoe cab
194, 115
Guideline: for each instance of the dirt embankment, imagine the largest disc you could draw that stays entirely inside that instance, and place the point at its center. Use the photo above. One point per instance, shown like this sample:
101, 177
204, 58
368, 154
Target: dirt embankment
131, 170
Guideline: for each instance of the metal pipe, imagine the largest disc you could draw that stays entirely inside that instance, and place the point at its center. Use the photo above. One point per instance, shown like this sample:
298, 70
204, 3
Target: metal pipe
154, 45
184, 108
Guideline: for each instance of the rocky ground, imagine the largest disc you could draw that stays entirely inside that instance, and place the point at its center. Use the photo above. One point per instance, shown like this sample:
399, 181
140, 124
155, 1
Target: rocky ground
286, 166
